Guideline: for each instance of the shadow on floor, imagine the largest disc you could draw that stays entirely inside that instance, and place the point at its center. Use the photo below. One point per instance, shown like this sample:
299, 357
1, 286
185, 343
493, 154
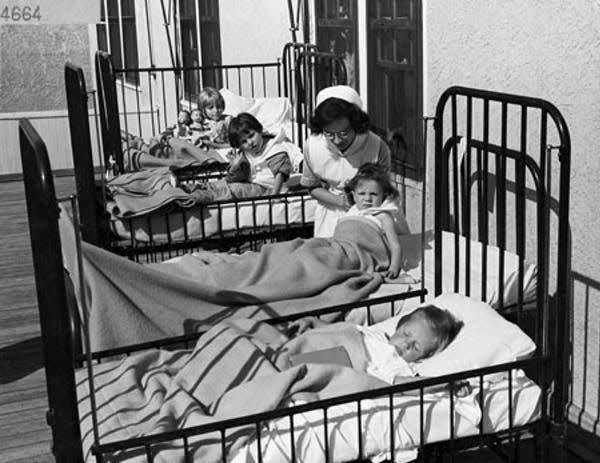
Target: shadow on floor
20, 359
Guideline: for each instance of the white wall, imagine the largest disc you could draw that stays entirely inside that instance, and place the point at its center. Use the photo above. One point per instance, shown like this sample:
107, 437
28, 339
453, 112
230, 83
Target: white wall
253, 31
548, 49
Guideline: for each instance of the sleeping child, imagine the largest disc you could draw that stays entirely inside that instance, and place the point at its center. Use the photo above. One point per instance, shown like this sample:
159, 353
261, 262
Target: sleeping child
371, 194
418, 335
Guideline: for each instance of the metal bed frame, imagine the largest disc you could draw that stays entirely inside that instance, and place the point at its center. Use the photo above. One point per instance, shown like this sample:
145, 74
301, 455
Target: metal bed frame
303, 68
457, 184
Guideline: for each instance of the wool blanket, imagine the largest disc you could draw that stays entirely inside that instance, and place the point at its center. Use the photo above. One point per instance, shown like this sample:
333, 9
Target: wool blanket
125, 302
158, 391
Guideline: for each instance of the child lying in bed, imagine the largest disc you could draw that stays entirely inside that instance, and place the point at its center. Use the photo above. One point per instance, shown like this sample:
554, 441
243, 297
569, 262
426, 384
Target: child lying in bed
259, 165
372, 195
261, 158
418, 335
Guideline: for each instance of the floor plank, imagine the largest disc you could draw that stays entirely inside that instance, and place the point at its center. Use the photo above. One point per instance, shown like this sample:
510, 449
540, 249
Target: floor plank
24, 434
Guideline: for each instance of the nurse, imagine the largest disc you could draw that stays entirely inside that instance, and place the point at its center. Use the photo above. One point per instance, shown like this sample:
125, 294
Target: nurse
340, 142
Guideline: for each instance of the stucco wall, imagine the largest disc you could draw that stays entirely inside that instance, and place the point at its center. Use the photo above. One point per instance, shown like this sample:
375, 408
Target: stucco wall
32, 62
545, 49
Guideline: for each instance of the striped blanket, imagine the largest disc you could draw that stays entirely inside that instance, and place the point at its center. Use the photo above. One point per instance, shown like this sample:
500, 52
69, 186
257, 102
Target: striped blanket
235, 360
128, 302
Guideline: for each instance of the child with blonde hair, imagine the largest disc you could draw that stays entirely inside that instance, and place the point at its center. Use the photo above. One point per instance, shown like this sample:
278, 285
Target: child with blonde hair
210, 125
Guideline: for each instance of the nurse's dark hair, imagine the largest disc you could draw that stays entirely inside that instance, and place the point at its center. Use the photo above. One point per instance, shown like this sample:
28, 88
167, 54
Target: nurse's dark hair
334, 109
370, 171
445, 326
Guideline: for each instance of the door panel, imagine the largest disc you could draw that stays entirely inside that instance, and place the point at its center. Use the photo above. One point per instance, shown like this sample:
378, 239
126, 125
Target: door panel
394, 73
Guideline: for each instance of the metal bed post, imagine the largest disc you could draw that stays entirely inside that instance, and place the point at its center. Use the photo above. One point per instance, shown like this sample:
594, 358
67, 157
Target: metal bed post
551, 334
109, 112
42, 210
82, 149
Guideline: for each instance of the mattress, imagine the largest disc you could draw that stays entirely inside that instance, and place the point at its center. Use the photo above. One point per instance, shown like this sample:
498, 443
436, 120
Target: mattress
211, 220
419, 272
342, 424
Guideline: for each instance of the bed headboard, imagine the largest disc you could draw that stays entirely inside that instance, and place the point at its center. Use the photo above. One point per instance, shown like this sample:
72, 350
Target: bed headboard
110, 127
81, 145
43, 213
502, 165
307, 71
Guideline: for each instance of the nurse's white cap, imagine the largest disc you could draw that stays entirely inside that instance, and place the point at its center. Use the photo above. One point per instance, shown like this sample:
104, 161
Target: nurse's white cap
343, 92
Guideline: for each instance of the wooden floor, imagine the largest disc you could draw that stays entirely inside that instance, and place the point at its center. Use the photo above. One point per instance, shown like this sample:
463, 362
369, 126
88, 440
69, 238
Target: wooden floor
24, 435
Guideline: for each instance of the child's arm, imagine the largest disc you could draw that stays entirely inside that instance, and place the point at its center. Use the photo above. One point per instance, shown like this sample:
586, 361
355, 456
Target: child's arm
279, 179
281, 167
396, 251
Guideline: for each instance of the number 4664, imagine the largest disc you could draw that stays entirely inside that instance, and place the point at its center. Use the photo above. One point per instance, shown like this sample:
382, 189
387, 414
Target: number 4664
17, 13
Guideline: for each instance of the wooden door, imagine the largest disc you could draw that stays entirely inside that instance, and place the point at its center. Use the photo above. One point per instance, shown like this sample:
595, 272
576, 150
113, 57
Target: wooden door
394, 76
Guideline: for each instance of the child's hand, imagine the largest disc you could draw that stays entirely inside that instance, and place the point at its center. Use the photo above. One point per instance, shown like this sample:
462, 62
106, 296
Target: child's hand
297, 327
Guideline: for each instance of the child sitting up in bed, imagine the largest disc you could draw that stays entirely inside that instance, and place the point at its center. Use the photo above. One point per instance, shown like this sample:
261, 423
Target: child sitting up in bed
371, 194
209, 124
259, 158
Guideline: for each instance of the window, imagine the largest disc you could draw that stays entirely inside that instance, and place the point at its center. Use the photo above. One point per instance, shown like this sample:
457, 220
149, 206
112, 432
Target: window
394, 72
117, 35
207, 12
336, 33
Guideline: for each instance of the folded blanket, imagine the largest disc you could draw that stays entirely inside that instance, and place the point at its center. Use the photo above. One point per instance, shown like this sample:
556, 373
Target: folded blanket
128, 302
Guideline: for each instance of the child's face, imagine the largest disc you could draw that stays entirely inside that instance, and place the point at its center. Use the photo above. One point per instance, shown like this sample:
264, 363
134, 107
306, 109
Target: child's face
183, 117
415, 339
196, 115
368, 193
252, 143
213, 112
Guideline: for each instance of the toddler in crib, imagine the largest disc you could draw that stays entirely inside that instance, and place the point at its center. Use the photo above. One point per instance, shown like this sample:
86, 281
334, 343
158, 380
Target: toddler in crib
259, 158
418, 335
210, 124
371, 194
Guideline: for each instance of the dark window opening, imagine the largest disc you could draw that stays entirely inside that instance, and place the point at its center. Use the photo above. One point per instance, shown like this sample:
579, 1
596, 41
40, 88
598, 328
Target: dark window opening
394, 42
210, 45
118, 36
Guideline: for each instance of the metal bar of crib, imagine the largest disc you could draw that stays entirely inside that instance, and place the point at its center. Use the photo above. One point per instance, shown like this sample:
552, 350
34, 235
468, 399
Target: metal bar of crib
521, 167
81, 145
258, 420
62, 415
187, 339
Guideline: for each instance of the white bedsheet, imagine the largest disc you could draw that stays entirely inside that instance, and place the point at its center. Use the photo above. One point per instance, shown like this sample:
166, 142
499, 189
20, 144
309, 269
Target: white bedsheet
208, 221
411, 245
343, 425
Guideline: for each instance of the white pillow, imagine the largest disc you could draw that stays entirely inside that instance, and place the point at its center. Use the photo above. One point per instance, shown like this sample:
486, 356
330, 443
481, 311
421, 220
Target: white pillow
486, 338
273, 113
234, 103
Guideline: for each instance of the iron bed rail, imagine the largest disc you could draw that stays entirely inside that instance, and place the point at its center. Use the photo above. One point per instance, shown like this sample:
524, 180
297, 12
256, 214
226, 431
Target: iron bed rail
420, 385
459, 178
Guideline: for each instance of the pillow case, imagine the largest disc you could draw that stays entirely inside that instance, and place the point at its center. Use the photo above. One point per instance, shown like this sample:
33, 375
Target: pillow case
273, 113
411, 247
486, 338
